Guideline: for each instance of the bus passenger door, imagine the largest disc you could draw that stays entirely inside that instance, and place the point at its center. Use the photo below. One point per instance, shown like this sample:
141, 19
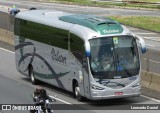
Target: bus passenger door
86, 80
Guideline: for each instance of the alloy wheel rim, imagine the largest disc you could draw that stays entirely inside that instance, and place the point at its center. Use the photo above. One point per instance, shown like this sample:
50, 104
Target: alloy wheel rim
76, 91
32, 77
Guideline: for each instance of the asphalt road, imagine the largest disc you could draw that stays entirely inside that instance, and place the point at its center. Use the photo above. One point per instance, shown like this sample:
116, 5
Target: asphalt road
17, 89
76, 8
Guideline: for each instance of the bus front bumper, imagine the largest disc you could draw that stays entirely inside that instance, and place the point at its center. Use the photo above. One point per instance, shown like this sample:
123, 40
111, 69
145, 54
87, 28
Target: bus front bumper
115, 93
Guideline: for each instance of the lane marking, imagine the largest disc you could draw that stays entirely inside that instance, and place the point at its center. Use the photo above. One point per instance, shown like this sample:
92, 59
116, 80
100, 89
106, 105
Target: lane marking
152, 37
151, 98
144, 33
71, 103
152, 61
7, 50
60, 100
150, 45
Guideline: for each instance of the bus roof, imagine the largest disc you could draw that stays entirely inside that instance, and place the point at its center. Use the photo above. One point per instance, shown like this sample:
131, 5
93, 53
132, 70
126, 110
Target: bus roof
99, 24
88, 24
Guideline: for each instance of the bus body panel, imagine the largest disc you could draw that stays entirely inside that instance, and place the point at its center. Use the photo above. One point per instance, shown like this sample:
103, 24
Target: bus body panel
45, 68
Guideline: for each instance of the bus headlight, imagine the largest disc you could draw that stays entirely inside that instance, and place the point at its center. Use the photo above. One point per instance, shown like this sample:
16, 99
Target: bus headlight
97, 87
136, 85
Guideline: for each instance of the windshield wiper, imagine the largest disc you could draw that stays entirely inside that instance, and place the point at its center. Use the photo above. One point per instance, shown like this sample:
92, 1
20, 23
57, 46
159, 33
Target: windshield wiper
128, 73
105, 83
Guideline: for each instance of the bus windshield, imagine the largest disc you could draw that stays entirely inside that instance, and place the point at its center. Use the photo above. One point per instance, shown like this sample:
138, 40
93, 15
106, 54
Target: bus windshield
114, 57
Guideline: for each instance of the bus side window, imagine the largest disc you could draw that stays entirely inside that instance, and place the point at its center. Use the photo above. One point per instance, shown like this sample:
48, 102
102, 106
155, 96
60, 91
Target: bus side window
77, 47
42, 33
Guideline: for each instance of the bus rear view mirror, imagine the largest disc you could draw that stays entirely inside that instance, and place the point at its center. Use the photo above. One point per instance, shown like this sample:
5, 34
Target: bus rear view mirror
142, 43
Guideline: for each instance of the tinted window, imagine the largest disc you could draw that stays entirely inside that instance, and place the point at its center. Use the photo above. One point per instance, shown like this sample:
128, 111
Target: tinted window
42, 33
77, 47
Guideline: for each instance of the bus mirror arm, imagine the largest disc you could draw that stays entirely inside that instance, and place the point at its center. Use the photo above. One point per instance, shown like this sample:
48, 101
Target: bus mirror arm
142, 43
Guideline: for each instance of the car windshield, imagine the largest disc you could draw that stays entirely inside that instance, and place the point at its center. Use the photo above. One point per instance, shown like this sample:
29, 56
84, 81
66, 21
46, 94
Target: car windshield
113, 57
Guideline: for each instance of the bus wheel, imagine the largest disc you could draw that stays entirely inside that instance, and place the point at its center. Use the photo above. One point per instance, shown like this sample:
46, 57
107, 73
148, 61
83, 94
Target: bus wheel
77, 92
32, 77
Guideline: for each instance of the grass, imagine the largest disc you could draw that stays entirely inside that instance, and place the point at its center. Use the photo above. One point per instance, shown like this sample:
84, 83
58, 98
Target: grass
110, 4
144, 0
145, 22
90, 0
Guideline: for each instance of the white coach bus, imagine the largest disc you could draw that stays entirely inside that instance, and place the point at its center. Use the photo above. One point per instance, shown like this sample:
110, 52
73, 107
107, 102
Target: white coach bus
91, 56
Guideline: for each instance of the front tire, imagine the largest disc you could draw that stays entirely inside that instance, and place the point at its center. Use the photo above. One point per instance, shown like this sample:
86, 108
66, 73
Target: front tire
77, 93
32, 76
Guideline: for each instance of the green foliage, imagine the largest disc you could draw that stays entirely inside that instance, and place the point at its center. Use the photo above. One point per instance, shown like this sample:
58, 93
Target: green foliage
144, 0
111, 4
145, 22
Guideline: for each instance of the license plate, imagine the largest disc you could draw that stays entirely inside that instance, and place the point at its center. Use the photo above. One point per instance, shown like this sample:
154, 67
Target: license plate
118, 93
